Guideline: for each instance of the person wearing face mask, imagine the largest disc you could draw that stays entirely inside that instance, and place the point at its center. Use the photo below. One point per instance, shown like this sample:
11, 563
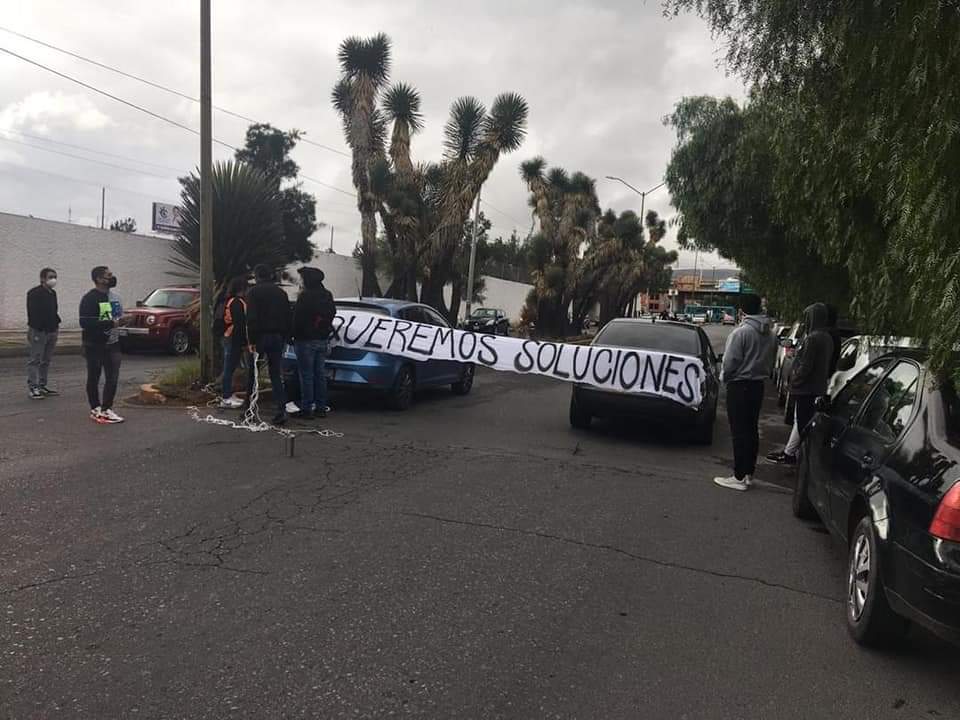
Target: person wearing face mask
100, 311
43, 325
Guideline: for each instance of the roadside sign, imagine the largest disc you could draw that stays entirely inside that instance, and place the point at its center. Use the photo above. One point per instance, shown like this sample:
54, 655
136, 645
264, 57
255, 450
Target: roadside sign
166, 218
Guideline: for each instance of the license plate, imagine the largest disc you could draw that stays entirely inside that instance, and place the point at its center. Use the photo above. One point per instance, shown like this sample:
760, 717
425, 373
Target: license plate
134, 331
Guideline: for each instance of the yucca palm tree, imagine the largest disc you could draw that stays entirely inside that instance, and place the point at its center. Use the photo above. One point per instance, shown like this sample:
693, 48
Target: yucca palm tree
247, 223
365, 68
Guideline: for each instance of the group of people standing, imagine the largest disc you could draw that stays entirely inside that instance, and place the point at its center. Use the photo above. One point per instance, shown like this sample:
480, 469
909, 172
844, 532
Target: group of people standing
100, 312
747, 362
258, 322
253, 322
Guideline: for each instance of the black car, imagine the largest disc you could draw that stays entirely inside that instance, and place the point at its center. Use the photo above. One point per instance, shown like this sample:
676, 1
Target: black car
587, 401
488, 320
880, 465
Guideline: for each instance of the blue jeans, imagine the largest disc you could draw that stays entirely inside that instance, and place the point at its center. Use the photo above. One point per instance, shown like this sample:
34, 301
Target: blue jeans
231, 361
271, 347
311, 361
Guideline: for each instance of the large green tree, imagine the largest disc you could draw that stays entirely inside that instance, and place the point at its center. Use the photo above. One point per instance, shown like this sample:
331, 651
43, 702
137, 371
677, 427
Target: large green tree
864, 133
268, 150
365, 71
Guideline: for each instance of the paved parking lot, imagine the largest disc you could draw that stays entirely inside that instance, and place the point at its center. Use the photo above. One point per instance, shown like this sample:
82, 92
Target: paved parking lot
474, 558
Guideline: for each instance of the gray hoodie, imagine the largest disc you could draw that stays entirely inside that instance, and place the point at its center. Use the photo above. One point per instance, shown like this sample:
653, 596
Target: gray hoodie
750, 350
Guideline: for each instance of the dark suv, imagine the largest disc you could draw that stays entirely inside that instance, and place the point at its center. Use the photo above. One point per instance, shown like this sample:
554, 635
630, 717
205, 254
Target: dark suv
162, 321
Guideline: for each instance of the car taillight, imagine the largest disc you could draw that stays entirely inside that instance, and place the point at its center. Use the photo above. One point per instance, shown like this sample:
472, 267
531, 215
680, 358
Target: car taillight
946, 523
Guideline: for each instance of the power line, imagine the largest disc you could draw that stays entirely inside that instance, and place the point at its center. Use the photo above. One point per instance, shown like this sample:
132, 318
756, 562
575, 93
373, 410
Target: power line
327, 185
496, 209
156, 85
88, 149
21, 168
151, 113
90, 160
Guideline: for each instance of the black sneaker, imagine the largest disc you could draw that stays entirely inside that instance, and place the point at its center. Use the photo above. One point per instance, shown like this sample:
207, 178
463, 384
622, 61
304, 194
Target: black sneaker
35, 394
47, 392
781, 458
321, 413
280, 419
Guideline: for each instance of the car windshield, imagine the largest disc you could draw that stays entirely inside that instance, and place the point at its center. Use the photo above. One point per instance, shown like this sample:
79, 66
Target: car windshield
363, 307
484, 313
661, 337
177, 299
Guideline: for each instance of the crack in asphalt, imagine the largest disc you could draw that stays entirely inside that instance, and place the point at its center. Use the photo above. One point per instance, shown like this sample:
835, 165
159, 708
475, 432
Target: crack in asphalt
48, 581
626, 553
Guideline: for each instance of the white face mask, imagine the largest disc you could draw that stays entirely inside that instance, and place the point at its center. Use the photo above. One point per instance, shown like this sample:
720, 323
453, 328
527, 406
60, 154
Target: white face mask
51, 283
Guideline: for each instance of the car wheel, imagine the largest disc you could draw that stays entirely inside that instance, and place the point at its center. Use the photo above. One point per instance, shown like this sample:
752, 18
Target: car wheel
703, 433
802, 507
179, 341
465, 384
579, 418
401, 396
869, 617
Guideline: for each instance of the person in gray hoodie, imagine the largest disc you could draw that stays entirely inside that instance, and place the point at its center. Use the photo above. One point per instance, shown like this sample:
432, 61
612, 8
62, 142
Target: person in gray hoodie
747, 360
810, 375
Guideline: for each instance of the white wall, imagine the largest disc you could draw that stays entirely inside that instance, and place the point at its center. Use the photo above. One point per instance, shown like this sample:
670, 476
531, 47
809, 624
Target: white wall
141, 264
29, 244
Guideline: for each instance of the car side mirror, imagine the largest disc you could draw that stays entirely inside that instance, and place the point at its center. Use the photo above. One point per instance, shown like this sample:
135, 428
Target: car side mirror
139, 303
822, 404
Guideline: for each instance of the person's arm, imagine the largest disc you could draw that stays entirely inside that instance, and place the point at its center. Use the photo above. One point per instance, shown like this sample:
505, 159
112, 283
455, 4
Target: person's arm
33, 309
733, 353
805, 362
253, 333
239, 315
300, 317
90, 314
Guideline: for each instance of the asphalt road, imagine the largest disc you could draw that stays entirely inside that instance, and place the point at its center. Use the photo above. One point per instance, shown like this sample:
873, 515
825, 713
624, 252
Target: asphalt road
472, 558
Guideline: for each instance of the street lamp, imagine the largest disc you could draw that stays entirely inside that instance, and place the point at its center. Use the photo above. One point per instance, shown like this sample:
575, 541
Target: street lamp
641, 193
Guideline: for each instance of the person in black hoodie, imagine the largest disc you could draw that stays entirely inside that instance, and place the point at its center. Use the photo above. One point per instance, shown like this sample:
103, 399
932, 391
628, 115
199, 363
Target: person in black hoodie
809, 376
268, 327
99, 318
312, 324
43, 324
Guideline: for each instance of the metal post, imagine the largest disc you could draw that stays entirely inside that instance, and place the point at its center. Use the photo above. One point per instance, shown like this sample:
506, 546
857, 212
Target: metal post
473, 255
103, 206
206, 199
331, 238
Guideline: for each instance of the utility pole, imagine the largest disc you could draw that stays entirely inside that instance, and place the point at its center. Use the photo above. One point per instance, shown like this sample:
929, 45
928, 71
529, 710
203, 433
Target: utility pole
103, 206
642, 193
331, 238
473, 255
206, 199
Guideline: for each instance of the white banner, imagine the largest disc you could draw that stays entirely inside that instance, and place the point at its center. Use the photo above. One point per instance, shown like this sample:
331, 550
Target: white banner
676, 377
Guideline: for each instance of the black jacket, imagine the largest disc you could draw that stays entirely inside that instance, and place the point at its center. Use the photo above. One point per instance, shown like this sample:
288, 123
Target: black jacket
96, 317
811, 368
313, 315
238, 319
42, 309
268, 312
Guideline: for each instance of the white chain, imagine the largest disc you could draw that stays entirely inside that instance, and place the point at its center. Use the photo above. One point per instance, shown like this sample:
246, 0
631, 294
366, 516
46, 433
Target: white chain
251, 420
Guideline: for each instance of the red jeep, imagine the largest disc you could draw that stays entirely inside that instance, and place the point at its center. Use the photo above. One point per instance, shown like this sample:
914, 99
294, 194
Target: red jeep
161, 322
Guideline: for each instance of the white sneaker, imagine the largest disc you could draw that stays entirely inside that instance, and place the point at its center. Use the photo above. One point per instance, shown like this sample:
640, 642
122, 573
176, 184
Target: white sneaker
96, 414
111, 417
292, 408
732, 483
231, 403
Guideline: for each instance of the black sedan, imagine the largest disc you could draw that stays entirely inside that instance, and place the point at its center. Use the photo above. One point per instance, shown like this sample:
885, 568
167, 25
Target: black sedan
488, 320
677, 338
880, 465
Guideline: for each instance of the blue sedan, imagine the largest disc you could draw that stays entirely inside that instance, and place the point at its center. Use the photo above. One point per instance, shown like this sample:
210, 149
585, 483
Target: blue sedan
398, 378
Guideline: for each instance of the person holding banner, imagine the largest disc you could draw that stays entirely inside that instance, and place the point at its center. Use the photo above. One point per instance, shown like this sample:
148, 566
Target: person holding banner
747, 360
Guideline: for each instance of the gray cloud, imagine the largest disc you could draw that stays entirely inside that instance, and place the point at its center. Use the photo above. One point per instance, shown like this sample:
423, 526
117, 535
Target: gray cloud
599, 77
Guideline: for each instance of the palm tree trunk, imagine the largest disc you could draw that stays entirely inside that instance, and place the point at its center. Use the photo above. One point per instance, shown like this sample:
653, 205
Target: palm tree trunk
368, 262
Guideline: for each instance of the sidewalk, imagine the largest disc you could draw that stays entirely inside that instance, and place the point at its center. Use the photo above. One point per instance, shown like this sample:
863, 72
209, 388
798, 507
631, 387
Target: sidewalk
13, 343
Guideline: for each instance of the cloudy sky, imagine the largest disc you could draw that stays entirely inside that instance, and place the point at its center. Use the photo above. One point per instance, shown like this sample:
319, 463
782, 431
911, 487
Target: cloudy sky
598, 76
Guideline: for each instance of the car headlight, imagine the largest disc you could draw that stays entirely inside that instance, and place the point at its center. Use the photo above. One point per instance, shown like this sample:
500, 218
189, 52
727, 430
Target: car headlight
151, 319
